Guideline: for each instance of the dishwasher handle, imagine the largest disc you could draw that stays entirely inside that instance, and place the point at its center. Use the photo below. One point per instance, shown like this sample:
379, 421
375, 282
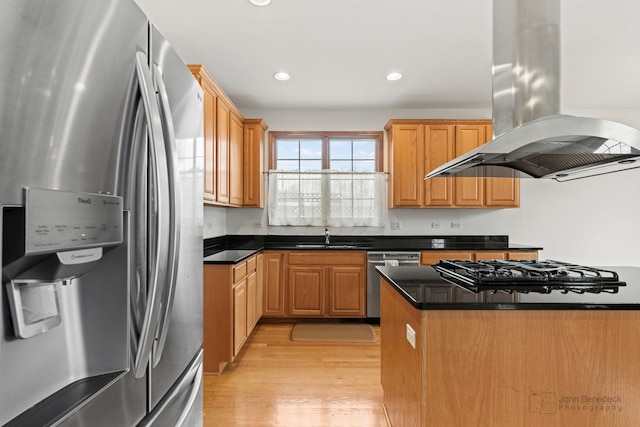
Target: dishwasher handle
407, 262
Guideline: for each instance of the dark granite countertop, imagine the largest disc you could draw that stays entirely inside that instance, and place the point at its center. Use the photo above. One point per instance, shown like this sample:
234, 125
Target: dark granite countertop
232, 256
234, 248
426, 290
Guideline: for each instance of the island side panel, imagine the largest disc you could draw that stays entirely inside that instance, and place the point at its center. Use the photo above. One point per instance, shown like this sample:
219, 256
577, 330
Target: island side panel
401, 364
532, 368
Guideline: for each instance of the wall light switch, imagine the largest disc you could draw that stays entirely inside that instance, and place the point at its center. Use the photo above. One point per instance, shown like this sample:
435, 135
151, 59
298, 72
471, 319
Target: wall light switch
411, 336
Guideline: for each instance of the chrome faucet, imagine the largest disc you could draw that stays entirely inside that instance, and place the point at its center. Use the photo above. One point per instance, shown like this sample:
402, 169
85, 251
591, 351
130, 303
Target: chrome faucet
326, 236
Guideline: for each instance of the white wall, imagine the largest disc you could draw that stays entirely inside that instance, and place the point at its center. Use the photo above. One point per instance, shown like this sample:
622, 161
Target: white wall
591, 221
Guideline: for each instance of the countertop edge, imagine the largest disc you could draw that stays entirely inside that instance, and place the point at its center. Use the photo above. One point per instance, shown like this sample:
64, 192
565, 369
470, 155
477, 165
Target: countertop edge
382, 271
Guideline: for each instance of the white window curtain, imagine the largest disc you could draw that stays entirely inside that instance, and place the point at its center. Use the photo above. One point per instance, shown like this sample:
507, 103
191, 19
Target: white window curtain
336, 199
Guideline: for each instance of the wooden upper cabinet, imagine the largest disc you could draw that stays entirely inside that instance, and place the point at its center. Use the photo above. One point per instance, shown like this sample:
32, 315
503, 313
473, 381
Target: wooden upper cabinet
210, 99
233, 169
254, 141
469, 191
501, 192
416, 147
439, 149
236, 163
223, 112
407, 153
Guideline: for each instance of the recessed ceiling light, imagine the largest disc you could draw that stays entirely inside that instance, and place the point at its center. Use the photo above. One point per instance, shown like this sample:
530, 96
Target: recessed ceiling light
394, 76
281, 75
260, 2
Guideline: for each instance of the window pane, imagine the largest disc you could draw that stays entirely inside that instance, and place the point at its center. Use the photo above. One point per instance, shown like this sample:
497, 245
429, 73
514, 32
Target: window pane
311, 149
310, 165
287, 149
287, 165
364, 166
364, 149
340, 165
340, 149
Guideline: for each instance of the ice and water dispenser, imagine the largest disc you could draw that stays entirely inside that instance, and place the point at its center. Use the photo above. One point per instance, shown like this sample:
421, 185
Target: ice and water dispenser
54, 238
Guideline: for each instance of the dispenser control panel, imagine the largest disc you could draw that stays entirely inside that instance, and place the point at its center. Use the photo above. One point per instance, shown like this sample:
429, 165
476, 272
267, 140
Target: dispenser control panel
60, 220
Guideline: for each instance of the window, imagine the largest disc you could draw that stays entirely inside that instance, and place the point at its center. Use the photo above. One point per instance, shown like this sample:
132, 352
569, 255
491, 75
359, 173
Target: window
326, 179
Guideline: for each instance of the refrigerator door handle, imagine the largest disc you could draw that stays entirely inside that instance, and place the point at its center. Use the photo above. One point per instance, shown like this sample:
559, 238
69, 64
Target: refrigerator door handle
192, 379
154, 301
193, 394
174, 215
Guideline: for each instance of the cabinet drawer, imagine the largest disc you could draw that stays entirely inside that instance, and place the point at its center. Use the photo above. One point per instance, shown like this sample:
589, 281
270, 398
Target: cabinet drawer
239, 271
251, 264
433, 257
327, 258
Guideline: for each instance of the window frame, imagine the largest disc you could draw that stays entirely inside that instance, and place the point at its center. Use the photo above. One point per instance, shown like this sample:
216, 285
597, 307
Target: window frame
325, 137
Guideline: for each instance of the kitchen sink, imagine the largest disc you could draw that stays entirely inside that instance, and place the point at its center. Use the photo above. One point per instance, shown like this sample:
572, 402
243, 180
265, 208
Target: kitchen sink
323, 246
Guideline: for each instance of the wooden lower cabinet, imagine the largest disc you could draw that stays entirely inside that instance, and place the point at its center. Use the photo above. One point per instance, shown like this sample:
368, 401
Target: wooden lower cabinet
347, 294
504, 368
306, 291
433, 257
314, 284
232, 307
273, 290
240, 310
326, 284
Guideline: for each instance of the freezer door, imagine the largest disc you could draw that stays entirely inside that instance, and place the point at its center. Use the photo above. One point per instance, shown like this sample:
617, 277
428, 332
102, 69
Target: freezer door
179, 335
182, 405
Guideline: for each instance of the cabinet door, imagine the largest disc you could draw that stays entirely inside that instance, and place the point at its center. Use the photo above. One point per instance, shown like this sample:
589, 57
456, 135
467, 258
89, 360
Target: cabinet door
433, 257
253, 193
252, 283
346, 291
222, 142
236, 168
239, 315
210, 99
469, 192
306, 291
522, 255
273, 296
407, 172
439, 149
259, 285
501, 192
487, 255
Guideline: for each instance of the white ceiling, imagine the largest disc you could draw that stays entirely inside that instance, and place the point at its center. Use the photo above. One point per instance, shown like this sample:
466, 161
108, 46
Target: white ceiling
339, 51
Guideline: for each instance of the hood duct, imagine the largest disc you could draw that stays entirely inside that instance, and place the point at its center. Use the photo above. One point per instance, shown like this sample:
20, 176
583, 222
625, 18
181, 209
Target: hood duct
530, 134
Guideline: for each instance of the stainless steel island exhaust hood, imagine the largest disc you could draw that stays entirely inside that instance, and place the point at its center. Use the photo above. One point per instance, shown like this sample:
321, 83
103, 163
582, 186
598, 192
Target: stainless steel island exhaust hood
530, 135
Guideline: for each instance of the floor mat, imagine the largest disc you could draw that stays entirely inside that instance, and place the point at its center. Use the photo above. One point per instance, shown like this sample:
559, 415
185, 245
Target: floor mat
333, 332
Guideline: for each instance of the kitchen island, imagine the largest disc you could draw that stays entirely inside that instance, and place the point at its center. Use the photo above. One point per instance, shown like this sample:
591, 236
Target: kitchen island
453, 357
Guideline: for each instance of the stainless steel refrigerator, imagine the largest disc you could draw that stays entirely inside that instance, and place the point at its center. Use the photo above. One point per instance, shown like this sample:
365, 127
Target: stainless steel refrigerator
101, 172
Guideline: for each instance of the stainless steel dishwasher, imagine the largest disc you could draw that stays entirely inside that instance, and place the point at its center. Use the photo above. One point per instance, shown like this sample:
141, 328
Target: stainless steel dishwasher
375, 259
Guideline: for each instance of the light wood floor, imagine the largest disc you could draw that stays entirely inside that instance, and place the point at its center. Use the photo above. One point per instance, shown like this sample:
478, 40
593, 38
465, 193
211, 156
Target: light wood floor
276, 382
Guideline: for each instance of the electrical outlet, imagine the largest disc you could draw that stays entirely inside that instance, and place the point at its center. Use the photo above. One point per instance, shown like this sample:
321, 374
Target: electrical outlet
257, 225
435, 224
411, 336
455, 224
209, 226
395, 225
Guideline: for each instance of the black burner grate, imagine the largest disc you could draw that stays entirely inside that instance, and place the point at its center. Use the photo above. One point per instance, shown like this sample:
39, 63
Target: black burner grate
528, 276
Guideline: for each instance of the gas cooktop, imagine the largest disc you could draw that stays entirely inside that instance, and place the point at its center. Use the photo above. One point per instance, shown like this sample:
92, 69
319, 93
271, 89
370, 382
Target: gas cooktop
528, 276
